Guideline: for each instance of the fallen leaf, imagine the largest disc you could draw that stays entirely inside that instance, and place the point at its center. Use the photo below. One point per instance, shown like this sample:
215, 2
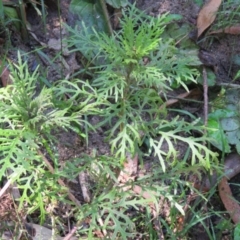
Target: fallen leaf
130, 170
235, 30
192, 94
229, 202
207, 15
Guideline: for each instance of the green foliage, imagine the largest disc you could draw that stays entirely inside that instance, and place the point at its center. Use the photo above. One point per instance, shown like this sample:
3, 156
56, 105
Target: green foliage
25, 108
117, 3
136, 68
237, 75
27, 117
237, 232
228, 14
119, 209
90, 12
108, 203
224, 121
1, 12
11, 16
94, 13
177, 131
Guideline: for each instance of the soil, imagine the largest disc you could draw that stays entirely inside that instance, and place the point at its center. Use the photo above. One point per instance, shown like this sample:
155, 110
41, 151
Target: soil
217, 55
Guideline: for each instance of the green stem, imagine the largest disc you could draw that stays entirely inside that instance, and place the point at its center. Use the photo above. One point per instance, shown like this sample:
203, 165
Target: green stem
106, 16
61, 37
49, 150
125, 95
1, 13
24, 21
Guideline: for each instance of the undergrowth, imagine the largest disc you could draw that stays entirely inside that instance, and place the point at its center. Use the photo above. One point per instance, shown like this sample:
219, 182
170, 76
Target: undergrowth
136, 68
27, 117
136, 71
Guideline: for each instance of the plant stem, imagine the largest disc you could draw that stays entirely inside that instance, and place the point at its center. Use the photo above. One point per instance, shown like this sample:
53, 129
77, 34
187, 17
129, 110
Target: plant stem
106, 16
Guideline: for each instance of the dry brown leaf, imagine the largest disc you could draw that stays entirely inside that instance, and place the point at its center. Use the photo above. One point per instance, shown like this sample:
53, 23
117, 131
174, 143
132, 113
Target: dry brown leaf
235, 30
192, 94
228, 200
130, 169
207, 15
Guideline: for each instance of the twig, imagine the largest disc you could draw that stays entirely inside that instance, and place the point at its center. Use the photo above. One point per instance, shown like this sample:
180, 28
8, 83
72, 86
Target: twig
182, 96
6, 186
158, 228
205, 97
60, 181
14, 189
229, 85
69, 235
83, 185
100, 221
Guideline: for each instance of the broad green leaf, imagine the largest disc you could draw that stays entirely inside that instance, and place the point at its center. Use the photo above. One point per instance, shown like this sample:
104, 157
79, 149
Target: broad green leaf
237, 232
117, 3
217, 136
211, 78
233, 96
221, 114
230, 124
224, 124
91, 13
198, 2
12, 15
180, 32
236, 59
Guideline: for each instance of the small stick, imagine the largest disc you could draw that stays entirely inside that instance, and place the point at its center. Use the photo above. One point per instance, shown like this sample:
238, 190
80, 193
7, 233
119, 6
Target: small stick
6, 186
83, 185
70, 234
205, 97
228, 85
100, 221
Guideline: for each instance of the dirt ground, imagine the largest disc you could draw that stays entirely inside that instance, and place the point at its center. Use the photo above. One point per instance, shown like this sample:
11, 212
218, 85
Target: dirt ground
218, 56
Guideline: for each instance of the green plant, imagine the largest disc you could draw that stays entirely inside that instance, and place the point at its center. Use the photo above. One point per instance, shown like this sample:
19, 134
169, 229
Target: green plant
228, 14
134, 70
95, 13
28, 116
137, 69
224, 121
125, 214
236, 232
